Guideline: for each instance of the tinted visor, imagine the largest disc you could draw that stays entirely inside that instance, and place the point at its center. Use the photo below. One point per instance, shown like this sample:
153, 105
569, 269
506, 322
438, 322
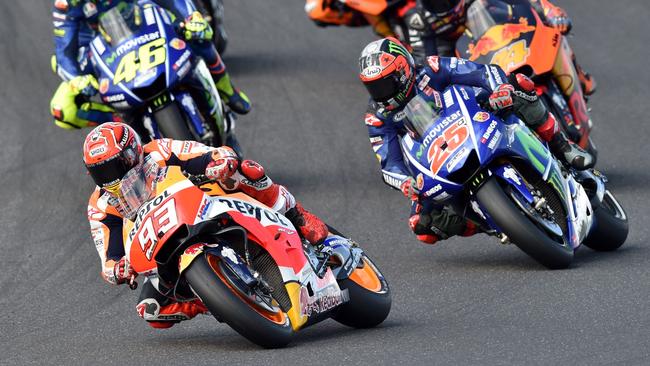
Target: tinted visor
383, 89
439, 6
108, 170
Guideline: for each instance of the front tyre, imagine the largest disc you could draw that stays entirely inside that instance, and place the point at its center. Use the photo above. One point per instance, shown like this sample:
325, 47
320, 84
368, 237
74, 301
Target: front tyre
611, 226
370, 300
520, 229
208, 280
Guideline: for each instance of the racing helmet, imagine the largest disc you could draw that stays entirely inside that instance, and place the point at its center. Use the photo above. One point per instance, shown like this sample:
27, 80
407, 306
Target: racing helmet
443, 7
110, 151
387, 70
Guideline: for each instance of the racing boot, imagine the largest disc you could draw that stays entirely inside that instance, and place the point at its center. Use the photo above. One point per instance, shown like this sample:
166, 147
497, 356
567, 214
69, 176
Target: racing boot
162, 317
311, 228
235, 99
439, 224
587, 82
571, 153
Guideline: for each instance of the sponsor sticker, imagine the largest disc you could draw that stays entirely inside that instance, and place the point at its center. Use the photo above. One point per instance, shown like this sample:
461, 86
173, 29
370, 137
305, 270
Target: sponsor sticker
481, 116
419, 181
434, 63
177, 44
103, 85
488, 131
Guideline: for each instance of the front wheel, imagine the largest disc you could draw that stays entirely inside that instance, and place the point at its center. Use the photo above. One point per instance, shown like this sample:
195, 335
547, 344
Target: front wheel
520, 229
370, 300
611, 226
209, 280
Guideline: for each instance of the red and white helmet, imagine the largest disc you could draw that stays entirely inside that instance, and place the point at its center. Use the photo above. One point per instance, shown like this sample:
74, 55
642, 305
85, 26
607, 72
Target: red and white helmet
110, 151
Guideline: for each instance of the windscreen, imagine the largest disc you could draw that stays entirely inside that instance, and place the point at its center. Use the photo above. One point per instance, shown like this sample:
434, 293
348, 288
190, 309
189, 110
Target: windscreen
138, 186
483, 15
119, 23
420, 115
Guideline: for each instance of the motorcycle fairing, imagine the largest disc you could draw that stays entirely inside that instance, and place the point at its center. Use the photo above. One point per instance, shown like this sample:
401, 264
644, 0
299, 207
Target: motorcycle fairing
519, 38
489, 146
121, 62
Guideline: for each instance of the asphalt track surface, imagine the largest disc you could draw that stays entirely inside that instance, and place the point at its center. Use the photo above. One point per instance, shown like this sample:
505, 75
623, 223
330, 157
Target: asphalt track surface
462, 302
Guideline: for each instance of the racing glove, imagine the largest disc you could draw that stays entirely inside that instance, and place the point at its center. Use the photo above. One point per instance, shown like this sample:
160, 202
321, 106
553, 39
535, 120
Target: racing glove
558, 19
122, 272
223, 165
409, 189
84, 84
520, 96
196, 28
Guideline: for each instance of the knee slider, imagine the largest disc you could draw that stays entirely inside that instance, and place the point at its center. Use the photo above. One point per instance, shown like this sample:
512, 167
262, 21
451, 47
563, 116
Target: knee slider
148, 309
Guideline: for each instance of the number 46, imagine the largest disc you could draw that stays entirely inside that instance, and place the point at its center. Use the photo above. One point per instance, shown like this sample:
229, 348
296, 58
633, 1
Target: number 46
149, 55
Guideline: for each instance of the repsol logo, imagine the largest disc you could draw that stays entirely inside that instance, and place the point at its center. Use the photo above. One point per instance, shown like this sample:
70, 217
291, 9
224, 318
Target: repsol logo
257, 212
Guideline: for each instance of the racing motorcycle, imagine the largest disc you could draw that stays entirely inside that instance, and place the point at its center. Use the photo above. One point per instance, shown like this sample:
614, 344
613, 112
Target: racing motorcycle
515, 38
214, 13
349, 13
497, 173
147, 73
244, 261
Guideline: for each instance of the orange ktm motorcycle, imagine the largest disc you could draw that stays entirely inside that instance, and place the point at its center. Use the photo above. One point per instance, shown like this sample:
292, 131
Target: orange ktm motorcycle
245, 262
515, 38
383, 15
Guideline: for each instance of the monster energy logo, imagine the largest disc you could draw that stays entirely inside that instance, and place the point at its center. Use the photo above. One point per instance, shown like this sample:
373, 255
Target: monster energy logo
396, 48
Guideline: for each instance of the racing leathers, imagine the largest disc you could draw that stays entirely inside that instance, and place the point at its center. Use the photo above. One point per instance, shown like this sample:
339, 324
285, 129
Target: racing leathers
106, 221
429, 34
431, 222
75, 24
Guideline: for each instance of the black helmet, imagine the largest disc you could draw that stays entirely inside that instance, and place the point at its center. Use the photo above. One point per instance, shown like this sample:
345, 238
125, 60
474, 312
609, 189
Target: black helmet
387, 70
442, 7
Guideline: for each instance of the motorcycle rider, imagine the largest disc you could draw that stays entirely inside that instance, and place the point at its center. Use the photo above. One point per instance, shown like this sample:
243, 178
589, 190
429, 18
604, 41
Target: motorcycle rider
76, 23
112, 149
433, 27
389, 74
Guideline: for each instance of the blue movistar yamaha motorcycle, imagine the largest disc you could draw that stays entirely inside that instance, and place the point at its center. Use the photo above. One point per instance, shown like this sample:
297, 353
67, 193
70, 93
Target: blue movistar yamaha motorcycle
494, 171
148, 73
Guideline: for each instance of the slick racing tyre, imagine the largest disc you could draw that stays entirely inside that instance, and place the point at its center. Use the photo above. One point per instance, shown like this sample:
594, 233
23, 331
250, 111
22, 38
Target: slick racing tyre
520, 229
171, 124
209, 280
610, 225
370, 299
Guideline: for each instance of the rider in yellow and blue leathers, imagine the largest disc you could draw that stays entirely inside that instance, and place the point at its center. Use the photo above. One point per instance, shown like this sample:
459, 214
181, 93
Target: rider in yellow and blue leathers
75, 24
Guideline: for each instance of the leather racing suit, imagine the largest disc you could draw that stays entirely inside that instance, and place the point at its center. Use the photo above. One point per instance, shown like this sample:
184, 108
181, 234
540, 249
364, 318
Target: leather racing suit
385, 129
106, 222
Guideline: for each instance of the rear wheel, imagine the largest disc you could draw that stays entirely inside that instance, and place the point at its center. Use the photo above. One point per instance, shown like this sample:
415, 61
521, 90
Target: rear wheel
611, 226
171, 123
521, 230
370, 300
254, 319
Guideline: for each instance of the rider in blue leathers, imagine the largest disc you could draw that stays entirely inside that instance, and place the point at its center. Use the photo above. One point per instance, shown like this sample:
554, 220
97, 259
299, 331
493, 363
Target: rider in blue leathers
75, 24
389, 73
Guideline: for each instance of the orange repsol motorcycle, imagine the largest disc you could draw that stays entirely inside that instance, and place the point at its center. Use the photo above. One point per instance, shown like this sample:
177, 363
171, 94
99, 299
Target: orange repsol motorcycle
245, 262
385, 16
515, 38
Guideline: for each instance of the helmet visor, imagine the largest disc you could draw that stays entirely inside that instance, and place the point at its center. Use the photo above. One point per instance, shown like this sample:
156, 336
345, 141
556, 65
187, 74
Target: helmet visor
108, 172
439, 6
383, 89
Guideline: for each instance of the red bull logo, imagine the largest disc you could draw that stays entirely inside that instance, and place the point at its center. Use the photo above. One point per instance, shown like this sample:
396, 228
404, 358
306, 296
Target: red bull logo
497, 37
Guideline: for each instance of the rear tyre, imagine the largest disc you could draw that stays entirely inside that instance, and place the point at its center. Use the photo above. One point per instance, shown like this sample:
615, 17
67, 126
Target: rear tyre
227, 306
171, 123
611, 226
370, 299
520, 229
